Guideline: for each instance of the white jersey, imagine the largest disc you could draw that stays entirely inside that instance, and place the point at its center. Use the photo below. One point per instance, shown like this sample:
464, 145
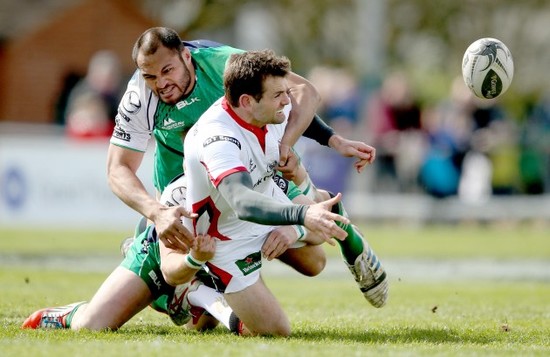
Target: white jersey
135, 119
219, 144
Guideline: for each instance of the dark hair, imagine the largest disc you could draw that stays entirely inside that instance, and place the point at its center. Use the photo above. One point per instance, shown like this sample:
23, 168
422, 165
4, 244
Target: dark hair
150, 41
245, 73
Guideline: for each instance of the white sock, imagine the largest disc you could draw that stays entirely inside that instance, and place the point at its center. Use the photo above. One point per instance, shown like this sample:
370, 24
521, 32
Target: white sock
213, 302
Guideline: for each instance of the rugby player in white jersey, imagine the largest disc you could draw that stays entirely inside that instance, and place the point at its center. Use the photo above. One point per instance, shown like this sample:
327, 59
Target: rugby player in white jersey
231, 158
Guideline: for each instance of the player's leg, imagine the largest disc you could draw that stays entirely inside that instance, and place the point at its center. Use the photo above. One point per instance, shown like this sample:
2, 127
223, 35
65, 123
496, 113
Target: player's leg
362, 262
309, 260
259, 310
121, 296
359, 257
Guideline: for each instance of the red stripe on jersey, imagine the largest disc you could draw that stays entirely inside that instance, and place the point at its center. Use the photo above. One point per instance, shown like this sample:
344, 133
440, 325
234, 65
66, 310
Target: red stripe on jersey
217, 181
207, 206
260, 133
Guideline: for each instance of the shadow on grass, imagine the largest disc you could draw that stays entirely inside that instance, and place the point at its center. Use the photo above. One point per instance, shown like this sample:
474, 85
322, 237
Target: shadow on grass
403, 335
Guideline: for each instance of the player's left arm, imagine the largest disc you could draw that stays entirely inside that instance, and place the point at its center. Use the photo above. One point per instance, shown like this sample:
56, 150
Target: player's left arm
319, 131
178, 267
305, 100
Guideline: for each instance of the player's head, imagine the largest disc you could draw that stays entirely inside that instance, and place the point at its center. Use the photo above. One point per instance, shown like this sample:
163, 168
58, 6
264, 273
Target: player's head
165, 63
255, 81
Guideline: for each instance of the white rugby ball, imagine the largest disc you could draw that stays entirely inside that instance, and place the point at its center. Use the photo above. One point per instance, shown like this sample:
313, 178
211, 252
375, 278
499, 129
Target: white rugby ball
488, 68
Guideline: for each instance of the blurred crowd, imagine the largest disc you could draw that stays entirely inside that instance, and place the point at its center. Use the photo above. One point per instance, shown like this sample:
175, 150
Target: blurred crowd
87, 105
463, 146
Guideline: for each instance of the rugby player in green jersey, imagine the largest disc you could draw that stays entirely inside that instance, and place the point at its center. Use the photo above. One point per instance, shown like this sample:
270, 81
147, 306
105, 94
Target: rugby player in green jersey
175, 82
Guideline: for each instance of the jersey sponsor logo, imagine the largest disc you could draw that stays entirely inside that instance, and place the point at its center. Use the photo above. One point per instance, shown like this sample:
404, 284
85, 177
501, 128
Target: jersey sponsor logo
250, 264
215, 138
269, 174
131, 103
169, 124
187, 102
122, 115
121, 134
155, 279
281, 183
251, 166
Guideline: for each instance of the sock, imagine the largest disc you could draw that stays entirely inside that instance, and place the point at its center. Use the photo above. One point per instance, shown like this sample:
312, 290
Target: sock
69, 317
213, 302
352, 246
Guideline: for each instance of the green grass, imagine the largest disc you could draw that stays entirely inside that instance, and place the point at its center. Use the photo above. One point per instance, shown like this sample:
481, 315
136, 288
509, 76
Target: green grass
329, 316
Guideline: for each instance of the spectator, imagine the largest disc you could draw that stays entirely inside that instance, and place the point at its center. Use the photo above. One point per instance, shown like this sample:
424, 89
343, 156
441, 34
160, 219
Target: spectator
92, 104
340, 98
535, 148
472, 149
393, 124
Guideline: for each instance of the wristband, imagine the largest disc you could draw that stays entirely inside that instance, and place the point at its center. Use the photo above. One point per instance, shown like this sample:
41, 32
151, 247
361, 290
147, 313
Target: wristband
307, 188
300, 231
193, 263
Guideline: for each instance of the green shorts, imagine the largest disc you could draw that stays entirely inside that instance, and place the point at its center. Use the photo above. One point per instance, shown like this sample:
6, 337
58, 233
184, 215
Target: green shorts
143, 258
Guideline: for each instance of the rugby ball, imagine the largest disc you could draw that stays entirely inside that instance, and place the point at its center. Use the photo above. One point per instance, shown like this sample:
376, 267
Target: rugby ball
488, 68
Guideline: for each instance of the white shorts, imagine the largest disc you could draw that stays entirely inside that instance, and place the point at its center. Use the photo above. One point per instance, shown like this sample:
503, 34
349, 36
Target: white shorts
237, 263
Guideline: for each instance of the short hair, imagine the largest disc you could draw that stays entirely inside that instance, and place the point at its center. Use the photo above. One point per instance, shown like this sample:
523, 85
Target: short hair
245, 73
150, 41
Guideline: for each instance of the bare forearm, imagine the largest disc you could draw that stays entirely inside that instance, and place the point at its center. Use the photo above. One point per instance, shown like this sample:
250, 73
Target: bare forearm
128, 187
175, 271
305, 100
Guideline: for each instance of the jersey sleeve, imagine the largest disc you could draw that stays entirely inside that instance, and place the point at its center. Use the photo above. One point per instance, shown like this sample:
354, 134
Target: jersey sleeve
135, 116
222, 156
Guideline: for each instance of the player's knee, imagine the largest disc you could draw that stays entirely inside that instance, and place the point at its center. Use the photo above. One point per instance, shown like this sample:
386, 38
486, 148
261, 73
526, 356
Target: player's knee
315, 266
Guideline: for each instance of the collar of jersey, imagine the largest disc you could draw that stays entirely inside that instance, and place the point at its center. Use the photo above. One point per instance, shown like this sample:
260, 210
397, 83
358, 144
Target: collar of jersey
260, 133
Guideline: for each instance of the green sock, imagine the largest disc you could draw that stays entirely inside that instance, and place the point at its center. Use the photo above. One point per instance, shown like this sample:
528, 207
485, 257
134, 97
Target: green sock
69, 317
352, 246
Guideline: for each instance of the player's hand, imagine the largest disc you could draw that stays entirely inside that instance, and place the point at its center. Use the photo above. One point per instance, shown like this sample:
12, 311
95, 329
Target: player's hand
364, 153
320, 220
291, 165
205, 247
278, 241
284, 152
171, 230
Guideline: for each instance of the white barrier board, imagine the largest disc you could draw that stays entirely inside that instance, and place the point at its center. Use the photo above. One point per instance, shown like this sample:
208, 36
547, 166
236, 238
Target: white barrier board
56, 182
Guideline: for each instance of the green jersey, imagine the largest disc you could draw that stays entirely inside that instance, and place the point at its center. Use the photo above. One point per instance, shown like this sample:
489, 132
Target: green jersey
141, 114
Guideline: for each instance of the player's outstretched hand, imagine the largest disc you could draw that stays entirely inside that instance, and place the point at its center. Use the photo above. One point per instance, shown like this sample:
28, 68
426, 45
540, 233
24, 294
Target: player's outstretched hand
364, 153
320, 220
171, 230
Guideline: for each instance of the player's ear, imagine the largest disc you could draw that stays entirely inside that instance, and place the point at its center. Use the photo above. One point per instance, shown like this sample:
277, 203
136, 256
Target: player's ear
245, 101
186, 54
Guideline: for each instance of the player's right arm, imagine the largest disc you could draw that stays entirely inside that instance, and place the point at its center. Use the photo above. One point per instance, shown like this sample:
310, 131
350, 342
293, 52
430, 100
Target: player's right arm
122, 165
126, 150
252, 206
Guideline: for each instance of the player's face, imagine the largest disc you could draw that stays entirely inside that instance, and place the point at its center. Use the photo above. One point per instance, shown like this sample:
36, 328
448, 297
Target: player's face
269, 110
168, 74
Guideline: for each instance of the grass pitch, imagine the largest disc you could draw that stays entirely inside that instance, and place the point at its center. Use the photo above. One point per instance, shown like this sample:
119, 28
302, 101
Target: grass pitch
328, 314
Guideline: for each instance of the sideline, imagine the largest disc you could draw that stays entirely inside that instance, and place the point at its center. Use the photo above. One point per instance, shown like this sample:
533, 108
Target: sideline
397, 269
